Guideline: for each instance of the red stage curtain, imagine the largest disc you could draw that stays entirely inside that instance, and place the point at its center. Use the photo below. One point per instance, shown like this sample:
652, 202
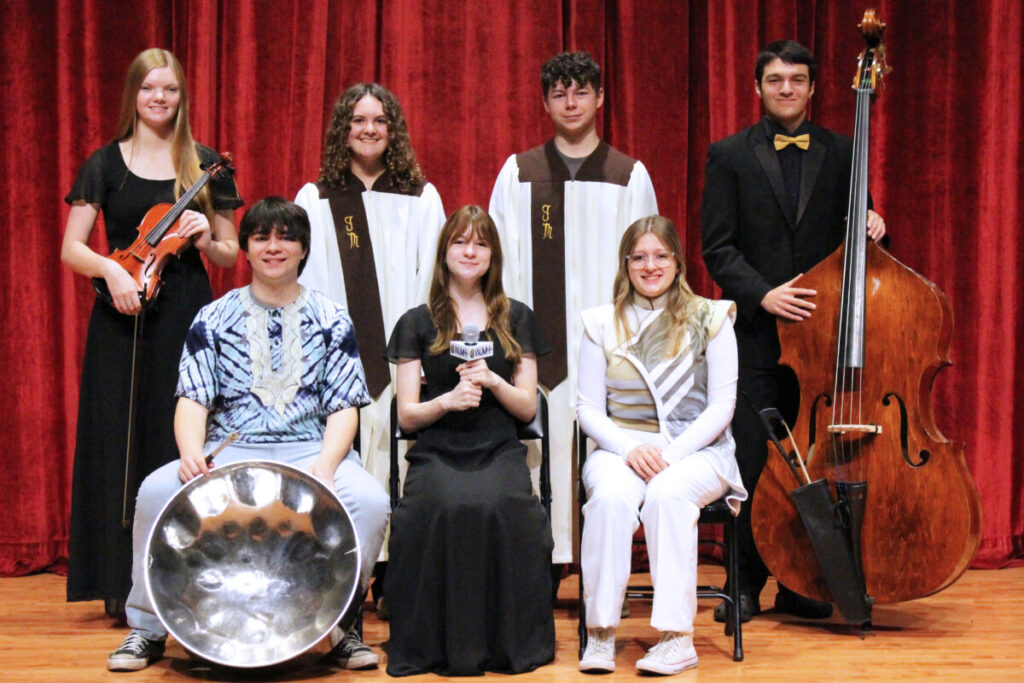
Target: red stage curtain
946, 157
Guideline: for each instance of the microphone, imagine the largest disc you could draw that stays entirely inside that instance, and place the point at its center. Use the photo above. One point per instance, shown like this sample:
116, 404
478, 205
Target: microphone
471, 348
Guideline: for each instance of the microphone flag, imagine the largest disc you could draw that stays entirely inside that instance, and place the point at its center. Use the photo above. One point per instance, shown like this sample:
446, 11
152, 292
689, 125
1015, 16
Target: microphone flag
471, 348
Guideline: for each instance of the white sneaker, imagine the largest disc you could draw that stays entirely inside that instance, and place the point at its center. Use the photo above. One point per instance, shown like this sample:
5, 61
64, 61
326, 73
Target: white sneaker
673, 653
600, 653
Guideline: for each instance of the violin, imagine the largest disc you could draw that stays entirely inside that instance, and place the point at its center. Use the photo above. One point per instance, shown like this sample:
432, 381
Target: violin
866, 362
159, 240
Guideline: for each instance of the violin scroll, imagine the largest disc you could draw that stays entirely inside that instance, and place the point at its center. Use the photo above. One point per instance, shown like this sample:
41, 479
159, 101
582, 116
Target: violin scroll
222, 168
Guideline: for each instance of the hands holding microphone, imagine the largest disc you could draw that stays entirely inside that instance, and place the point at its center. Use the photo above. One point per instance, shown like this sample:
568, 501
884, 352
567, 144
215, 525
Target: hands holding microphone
473, 371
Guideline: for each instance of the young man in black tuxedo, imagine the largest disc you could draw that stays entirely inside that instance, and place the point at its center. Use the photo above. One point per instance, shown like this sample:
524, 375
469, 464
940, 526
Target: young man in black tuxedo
774, 205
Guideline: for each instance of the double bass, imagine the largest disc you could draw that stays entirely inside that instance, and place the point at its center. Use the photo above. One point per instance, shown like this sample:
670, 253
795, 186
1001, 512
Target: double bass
866, 361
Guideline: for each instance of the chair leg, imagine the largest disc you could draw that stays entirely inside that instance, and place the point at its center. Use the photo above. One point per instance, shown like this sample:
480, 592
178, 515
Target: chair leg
556, 580
733, 580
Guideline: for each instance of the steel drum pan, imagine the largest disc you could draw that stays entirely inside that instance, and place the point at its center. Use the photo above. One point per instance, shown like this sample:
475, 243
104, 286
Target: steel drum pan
252, 565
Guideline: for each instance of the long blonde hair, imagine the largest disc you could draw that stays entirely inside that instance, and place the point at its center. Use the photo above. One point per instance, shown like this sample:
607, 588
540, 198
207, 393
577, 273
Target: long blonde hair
442, 310
681, 299
183, 146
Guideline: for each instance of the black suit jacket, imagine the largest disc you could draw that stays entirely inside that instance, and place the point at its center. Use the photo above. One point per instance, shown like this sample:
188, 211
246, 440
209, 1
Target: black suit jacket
751, 242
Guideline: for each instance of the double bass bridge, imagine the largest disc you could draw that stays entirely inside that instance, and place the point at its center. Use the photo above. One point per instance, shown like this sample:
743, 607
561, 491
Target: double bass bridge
854, 429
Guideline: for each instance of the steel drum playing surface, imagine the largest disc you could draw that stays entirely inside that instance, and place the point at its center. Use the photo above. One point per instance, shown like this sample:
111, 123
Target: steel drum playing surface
252, 565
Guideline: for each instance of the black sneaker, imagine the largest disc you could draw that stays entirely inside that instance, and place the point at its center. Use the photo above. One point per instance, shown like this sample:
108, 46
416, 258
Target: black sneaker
350, 652
136, 653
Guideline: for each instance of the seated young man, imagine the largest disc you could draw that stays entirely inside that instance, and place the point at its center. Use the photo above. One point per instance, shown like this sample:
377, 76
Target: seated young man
277, 364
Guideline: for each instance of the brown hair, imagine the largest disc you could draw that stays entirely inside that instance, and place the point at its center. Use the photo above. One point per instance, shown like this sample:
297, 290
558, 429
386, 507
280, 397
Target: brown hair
442, 310
183, 146
681, 299
399, 159
566, 67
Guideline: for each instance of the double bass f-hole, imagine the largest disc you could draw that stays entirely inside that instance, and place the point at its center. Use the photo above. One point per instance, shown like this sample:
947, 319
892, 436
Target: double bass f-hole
925, 454
813, 421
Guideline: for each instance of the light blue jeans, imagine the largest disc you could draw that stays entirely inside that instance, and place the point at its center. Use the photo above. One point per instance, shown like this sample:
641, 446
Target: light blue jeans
363, 497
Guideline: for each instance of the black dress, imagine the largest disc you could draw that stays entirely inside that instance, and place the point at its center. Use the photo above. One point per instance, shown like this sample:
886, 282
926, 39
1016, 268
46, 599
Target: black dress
99, 565
469, 580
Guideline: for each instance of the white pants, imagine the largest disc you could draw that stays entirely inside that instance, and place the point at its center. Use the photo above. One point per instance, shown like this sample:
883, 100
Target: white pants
363, 498
669, 505
562, 420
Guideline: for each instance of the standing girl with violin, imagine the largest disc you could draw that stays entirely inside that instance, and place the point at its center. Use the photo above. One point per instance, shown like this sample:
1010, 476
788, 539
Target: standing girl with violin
153, 159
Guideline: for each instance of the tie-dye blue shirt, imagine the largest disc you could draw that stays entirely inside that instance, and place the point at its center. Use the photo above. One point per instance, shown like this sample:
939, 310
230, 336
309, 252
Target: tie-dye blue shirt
271, 374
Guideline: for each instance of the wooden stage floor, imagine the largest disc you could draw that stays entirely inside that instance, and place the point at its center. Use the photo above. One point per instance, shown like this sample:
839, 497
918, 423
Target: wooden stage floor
973, 631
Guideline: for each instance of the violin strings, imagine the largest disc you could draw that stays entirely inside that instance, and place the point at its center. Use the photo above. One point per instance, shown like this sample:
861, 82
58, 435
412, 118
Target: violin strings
169, 218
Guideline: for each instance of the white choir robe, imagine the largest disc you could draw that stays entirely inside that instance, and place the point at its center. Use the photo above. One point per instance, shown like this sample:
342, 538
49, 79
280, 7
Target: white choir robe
596, 216
403, 230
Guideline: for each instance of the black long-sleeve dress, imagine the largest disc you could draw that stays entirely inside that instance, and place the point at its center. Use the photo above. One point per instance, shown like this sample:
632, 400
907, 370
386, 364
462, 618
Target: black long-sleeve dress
100, 557
468, 583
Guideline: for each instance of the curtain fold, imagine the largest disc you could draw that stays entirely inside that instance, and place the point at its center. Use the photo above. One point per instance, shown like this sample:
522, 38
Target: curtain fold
263, 76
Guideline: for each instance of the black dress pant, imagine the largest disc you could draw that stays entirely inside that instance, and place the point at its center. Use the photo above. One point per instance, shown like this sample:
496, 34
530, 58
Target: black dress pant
773, 387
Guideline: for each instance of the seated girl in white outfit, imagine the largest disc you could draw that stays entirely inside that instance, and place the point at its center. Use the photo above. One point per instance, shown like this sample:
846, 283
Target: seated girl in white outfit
656, 392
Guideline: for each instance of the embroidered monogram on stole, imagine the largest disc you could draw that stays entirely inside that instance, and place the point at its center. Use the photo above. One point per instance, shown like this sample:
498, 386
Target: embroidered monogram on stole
545, 216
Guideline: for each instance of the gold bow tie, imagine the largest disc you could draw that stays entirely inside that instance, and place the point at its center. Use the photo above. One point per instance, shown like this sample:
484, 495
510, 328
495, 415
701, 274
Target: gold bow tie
801, 141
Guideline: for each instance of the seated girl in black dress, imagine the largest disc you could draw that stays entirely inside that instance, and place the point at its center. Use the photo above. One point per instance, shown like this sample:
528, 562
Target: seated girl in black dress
468, 582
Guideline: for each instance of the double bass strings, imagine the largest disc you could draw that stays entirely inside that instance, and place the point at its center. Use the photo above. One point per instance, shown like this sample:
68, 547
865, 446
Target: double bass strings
847, 408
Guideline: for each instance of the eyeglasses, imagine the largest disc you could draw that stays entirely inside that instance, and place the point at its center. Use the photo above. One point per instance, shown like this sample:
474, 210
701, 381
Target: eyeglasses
659, 260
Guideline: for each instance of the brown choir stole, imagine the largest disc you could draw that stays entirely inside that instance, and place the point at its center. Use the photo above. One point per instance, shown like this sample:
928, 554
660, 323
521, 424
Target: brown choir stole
360, 273
547, 174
